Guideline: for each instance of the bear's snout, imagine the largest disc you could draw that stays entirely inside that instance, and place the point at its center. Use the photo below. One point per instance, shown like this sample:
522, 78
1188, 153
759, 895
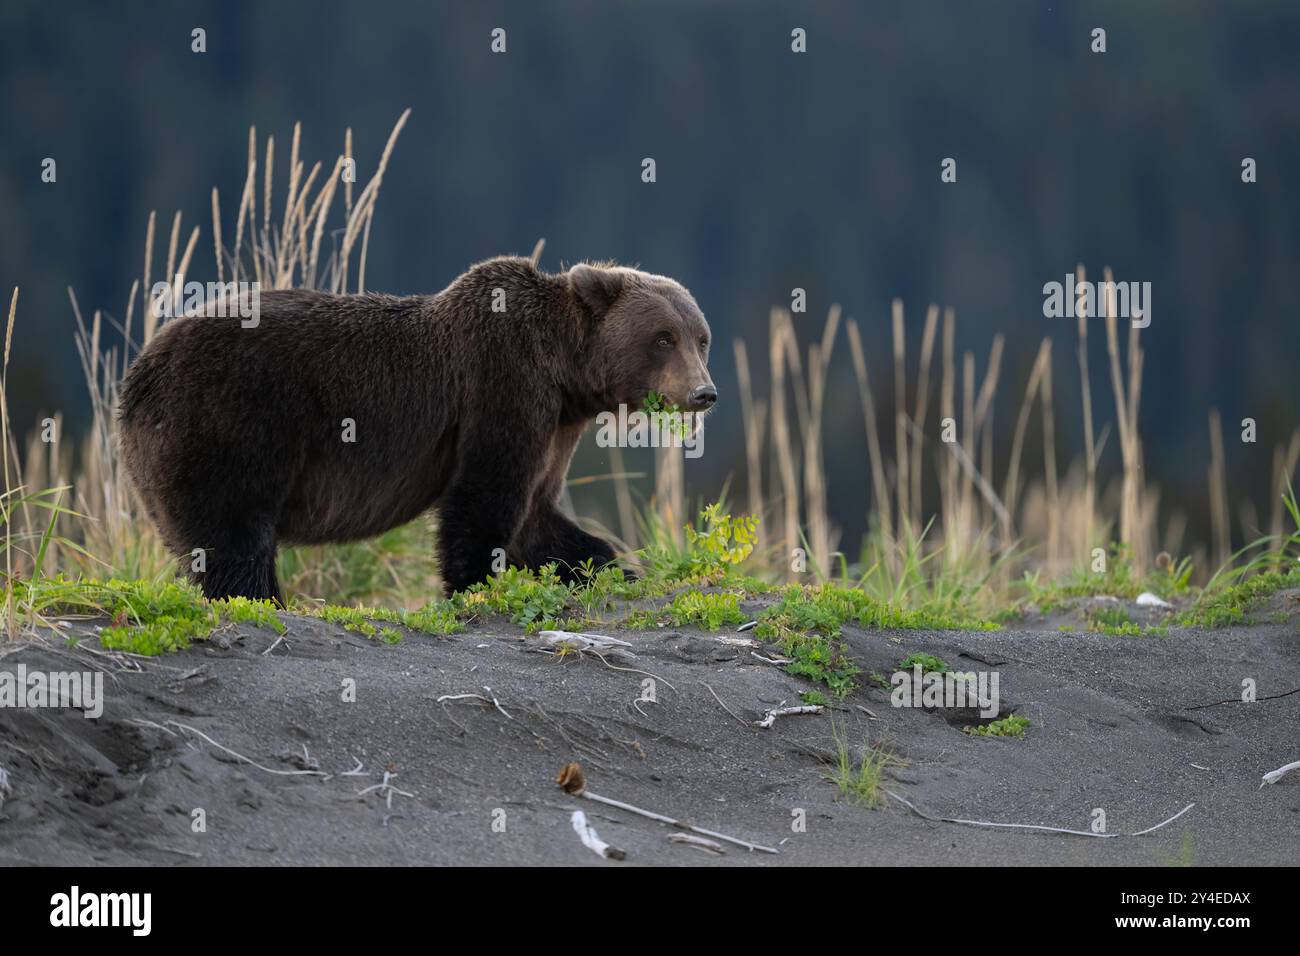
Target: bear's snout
702, 397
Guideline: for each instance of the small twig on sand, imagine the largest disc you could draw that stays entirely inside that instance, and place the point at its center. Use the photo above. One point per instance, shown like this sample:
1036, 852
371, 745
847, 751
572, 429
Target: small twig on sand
769, 719
238, 756
630, 670
747, 626
487, 700
386, 788
697, 843
724, 706
1273, 776
866, 711
587, 833
778, 661
574, 782
1032, 826
356, 771
278, 641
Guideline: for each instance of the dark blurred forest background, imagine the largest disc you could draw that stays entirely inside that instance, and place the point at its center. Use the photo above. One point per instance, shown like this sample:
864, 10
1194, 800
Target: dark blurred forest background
775, 170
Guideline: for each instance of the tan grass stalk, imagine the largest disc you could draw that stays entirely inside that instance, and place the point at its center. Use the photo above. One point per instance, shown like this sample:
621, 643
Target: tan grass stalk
879, 484
1218, 486
966, 518
1089, 434
10, 620
1126, 409
1284, 464
781, 445
148, 264
246, 200
266, 187
319, 212
623, 498
753, 414
1049, 464
365, 248
948, 410
922, 409
900, 414
1010, 488
819, 525
347, 186
302, 221
216, 234
295, 179
984, 410
172, 244
356, 216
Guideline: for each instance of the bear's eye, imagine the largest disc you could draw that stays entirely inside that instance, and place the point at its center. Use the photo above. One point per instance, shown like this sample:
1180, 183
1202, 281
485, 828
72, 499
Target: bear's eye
704, 344
665, 341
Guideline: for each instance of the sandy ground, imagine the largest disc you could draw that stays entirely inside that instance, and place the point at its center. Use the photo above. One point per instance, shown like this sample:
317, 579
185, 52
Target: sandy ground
1133, 726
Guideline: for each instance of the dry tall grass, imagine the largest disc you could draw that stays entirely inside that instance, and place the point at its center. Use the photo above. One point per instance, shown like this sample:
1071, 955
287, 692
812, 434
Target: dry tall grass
297, 249
986, 519
942, 505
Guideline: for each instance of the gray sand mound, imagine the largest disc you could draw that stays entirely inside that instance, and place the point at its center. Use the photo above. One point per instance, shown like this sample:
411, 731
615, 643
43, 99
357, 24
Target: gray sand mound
1137, 728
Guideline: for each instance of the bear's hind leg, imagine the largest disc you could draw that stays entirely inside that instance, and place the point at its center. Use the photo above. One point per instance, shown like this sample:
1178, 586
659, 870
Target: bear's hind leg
552, 537
242, 565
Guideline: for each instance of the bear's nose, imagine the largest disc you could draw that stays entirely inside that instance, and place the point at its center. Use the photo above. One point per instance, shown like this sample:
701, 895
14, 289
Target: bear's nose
702, 397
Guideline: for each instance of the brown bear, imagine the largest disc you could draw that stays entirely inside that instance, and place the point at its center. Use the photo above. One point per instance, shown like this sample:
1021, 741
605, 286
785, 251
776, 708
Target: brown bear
337, 417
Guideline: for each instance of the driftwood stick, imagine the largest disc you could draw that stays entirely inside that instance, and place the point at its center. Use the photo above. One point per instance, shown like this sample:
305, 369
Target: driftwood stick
1032, 826
574, 782
770, 717
592, 841
238, 756
724, 706
1273, 776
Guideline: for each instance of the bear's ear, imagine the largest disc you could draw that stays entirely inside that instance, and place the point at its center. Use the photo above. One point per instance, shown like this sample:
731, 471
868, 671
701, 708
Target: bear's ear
596, 287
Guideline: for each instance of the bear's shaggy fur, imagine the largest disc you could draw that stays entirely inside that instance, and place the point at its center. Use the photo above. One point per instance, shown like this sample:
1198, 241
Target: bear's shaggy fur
234, 436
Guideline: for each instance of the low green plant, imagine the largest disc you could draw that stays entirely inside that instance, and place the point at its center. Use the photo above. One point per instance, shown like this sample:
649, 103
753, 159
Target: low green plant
660, 409
1113, 620
1230, 604
146, 617
929, 663
709, 553
533, 600
858, 776
710, 611
1013, 725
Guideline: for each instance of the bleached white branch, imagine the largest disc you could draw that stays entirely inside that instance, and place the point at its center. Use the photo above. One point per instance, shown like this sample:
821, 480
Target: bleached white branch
238, 756
487, 700
592, 841
697, 843
1032, 826
1273, 776
582, 640
769, 719
574, 782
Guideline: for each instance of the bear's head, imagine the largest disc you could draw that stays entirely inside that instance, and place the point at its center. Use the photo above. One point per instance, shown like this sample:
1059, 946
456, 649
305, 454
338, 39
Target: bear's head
648, 336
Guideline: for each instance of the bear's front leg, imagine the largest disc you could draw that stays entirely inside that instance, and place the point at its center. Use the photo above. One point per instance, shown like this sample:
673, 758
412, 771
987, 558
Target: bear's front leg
480, 513
549, 536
